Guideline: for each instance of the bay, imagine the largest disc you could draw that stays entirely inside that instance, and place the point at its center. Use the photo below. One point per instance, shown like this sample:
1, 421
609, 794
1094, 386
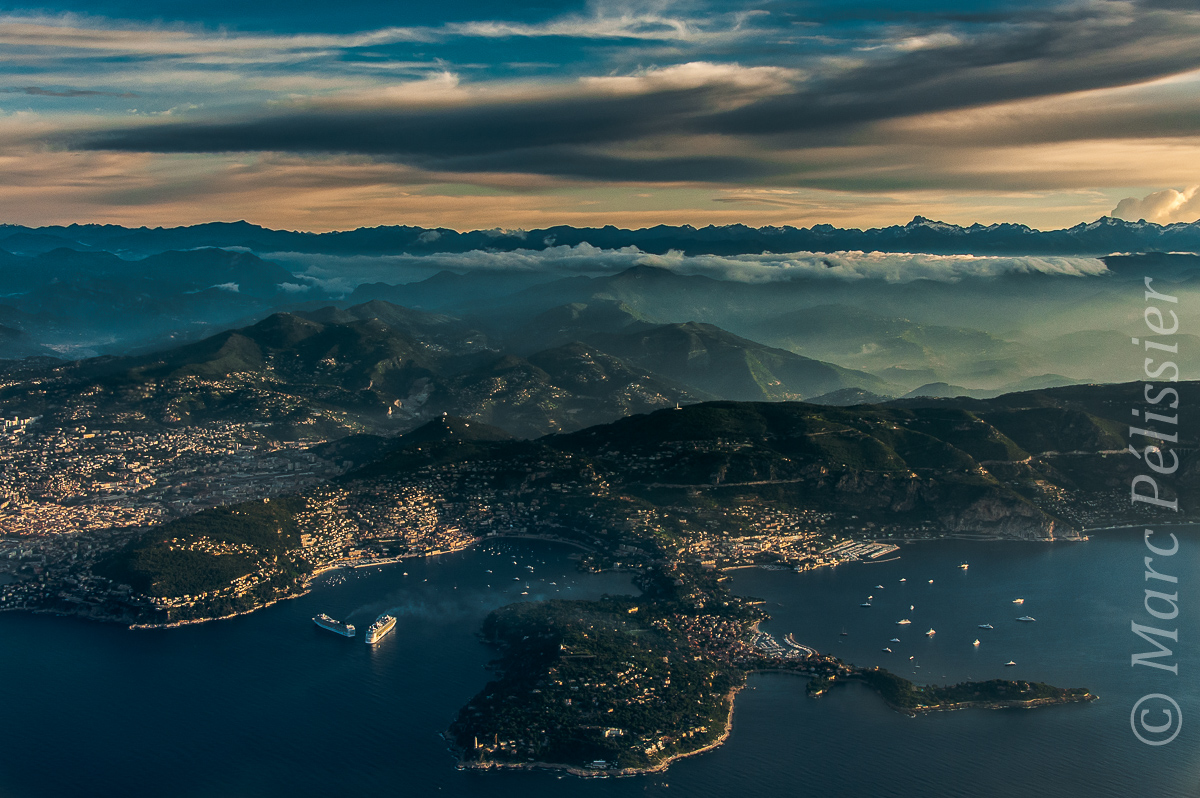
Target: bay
268, 705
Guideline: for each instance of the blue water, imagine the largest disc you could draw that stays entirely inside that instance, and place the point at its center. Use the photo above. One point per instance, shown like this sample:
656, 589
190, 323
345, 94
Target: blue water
269, 705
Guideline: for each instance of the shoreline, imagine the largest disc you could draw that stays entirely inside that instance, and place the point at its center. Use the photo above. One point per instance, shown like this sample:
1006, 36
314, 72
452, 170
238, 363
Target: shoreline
585, 772
348, 564
912, 712
354, 564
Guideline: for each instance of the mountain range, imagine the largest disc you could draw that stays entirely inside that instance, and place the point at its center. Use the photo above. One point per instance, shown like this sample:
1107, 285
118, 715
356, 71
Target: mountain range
1103, 236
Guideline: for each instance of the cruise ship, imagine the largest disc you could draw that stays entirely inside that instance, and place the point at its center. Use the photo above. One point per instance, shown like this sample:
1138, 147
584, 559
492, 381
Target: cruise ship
325, 622
378, 630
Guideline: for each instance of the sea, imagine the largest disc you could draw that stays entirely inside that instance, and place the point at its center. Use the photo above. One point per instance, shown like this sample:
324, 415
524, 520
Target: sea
267, 705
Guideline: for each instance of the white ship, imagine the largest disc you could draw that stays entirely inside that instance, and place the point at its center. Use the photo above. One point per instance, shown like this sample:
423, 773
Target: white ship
378, 630
325, 622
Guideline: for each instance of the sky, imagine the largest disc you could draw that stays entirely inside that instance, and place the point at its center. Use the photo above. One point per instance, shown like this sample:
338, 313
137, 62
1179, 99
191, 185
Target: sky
319, 116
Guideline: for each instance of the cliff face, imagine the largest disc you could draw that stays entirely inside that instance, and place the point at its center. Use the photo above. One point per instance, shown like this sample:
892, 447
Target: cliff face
957, 508
1002, 517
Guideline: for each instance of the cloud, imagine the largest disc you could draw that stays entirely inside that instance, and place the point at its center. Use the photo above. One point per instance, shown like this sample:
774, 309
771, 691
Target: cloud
1163, 207
886, 266
342, 274
926, 108
693, 97
232, 288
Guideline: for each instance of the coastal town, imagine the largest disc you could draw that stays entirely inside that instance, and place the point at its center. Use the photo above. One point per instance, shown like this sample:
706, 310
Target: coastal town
73, 497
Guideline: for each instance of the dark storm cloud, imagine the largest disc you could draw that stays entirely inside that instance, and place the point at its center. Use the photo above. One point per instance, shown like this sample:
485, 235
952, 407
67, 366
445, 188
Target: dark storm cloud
550, 136
38, 91
437, 132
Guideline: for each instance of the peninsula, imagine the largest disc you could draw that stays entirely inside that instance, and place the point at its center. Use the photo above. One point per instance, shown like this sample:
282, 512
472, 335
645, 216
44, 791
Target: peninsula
627, 685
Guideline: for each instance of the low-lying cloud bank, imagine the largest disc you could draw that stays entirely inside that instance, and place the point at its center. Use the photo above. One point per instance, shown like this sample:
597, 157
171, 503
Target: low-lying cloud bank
343, 274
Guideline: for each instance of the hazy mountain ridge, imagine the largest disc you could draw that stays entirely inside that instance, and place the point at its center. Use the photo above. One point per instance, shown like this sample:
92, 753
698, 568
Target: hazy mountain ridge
945, 326
383, 369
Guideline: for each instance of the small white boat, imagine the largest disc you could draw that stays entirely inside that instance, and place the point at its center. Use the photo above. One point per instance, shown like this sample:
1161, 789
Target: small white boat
976, 643
1009, 663
879, 587
963, 566
1019, 601
986, 626
902, 579
905, 622
931, 581
888, 650
930, 633
894, 640
865, 604
1026, 619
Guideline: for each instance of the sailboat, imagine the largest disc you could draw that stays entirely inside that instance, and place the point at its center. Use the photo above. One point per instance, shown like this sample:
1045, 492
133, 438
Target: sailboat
930, 633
